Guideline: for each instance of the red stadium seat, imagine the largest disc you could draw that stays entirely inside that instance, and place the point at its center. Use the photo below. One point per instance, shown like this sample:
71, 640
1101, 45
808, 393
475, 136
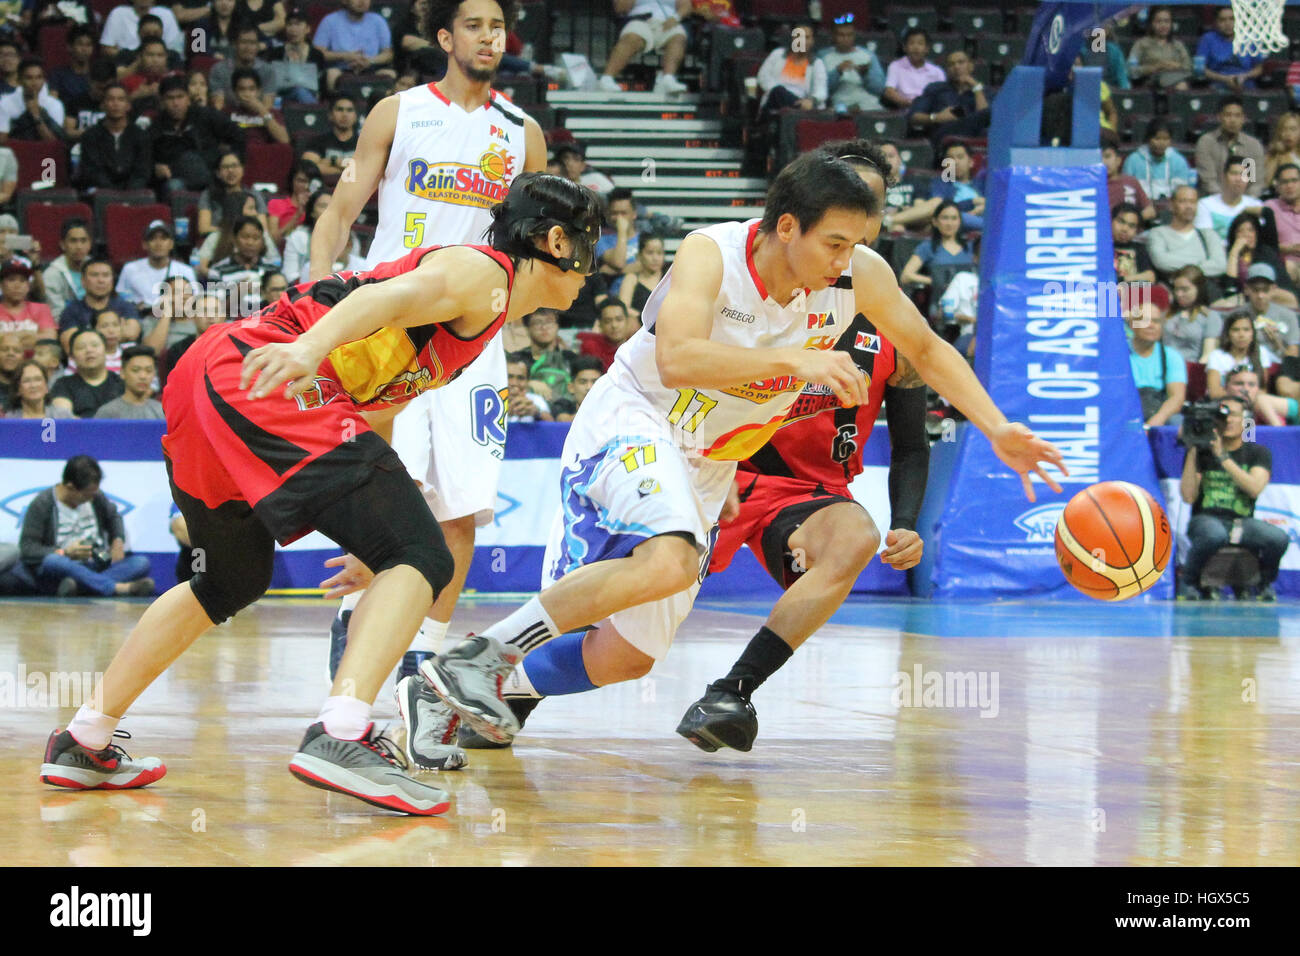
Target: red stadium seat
45, 222
268, 163
201, 63
788, 10
1195, 381
34, 162
126, 225
811, 133
52, 46
317, 11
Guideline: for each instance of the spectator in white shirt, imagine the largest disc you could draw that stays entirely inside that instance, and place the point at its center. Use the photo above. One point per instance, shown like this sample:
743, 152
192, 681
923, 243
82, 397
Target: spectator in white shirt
1217, 211
792, 76
909, 75
31, 112
121, 29
654, 25
143, 280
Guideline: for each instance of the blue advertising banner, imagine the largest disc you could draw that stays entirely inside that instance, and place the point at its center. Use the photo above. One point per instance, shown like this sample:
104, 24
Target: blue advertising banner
1058, 33
1052, 351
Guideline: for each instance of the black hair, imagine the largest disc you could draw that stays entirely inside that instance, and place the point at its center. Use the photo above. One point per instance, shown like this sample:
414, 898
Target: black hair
1151, 17
338, 95
74, 223
612, 300
243, 221
860, 153
585, 363
13, 397
245, 73
29, 61
1232, 99
82, 471
94, 260
171, 83
307, 167
535, 203
147, 19
309, 215
1233, 161
72, 341
152, 41
1157, 125
913, 31
245, 26
1285, 166
1110, 140
1123, 207
1252, 352
812, 184
617, 194
135, 351
10, 41
1265, 229
529, 317
271, 274
296, 13
935, 237
441, 14
116, 85
81, 30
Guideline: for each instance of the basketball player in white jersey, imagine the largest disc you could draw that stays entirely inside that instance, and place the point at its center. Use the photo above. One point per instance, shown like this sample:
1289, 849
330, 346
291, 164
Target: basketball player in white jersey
748, 314
441, 155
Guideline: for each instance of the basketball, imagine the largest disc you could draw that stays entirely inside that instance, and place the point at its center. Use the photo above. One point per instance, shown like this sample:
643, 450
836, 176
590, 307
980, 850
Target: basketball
492, 165
1112, 541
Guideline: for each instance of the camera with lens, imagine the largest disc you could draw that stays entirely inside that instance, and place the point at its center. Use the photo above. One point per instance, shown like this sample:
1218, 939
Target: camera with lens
100, 558
1201, 419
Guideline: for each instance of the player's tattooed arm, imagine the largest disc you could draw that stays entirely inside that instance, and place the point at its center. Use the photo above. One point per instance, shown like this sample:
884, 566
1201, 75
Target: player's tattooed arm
905, 374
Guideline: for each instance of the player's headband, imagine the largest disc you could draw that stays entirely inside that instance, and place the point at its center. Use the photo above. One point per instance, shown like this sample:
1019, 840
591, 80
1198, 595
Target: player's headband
582, 234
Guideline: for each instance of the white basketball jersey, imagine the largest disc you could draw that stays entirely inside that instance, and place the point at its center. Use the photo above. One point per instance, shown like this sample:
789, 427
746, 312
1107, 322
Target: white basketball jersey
731, 424
446, 169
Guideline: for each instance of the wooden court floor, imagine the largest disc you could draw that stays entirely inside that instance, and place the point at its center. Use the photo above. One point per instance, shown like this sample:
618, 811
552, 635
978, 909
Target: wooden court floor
904, 733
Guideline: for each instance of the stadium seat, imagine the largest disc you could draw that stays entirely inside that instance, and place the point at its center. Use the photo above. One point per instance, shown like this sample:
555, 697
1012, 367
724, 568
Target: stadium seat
1135, 101
34, 164
811, 133
916, 153
317, 10
884, 45
312, 117
1188, 25
201, 63
787, 142
1195, 381
45, 222
974, 22
778, 11
52, 45
126, 226
534, 26
391, 10
941, 44
103, 198
900, 20
24, 198
103, 7
881, 124
1188, 102
999, 49
268, 163
726, 44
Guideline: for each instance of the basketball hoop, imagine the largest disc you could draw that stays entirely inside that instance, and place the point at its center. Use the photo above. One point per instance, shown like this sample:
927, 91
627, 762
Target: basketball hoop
1258, 28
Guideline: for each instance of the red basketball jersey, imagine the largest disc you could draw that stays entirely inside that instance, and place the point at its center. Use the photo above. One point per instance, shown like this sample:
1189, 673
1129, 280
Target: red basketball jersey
392, 365
820, 442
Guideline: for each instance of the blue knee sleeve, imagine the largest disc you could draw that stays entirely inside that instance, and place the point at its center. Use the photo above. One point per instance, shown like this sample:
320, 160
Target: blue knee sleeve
557, 668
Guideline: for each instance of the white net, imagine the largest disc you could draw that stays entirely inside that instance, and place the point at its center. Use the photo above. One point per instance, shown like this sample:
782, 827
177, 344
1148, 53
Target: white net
1258, 27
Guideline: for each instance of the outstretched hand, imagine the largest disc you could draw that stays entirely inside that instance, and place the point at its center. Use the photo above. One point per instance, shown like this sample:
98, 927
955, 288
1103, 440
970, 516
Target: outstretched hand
1022, 451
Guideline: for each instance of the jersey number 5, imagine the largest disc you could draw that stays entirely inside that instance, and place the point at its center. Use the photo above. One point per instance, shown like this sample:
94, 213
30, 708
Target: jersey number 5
414, 237
685, 398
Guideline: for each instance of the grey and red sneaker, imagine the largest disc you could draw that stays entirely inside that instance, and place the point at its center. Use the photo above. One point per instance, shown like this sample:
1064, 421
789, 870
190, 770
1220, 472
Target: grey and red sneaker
69, 764
469, 677
521, 707
369, 769
430, 726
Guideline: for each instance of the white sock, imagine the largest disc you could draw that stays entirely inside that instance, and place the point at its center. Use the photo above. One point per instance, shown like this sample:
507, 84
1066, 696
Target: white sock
350, 602
528, 628
430, 636
346, 718
92, 729
518, 684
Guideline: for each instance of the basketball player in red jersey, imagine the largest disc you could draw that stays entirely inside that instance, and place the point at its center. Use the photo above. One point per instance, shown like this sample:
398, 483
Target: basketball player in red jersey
794, 509
269, 437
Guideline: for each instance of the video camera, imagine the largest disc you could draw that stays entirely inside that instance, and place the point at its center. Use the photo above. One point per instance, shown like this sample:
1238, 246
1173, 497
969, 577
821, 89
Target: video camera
1201, 419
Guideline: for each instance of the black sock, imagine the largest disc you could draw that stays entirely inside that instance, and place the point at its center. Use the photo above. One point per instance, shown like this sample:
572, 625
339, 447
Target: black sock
761, 659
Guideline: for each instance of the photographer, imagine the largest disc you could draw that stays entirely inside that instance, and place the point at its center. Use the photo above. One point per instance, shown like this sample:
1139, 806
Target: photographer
1222, 477
73, 539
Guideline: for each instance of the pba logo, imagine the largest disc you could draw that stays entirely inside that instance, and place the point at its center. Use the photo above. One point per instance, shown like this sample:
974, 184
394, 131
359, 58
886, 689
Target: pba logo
821, 320
496, 132
867, 342
1039, 524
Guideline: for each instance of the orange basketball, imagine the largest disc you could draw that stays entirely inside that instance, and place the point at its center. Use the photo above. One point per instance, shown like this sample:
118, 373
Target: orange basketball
492, 165
1112, 541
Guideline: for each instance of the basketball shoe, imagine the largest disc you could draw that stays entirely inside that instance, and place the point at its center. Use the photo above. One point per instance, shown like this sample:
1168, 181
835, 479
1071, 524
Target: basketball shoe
469, 676
410, 665
721, 718
69, 764
368, 769
430, 726
338, 640
521, 707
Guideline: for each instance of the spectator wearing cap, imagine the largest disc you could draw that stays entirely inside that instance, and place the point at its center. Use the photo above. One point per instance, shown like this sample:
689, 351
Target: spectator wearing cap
1277, 326
1217, 211
97, 281
63, 275
139, 368
574, 167
92, 385
115, 153
1286, 214
1225, 140
31, 320
31, 112
143, 279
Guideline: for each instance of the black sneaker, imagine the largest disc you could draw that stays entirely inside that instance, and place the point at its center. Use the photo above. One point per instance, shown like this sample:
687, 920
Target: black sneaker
338, 640
369, 769
521, 707
721, 718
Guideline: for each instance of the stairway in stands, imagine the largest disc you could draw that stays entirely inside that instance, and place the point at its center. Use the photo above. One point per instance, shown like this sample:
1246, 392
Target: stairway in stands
668, 151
